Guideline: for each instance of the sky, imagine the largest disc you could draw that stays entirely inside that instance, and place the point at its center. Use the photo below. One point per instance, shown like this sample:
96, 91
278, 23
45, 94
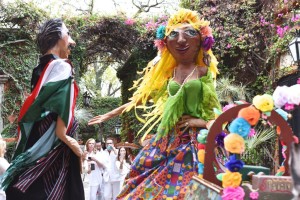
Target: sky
103, 7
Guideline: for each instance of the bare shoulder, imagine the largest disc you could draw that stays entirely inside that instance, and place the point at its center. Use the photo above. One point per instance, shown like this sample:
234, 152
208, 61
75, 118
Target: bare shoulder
202, 71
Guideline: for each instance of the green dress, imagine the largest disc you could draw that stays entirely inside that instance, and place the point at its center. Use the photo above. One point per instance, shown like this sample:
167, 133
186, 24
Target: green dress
166, 165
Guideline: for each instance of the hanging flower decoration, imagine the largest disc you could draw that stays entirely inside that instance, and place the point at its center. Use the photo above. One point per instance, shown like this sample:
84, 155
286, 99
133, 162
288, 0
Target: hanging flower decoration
220, 139
231, 193
254, 195
287, 97
264, 103
201, 138
234, 164
241, 128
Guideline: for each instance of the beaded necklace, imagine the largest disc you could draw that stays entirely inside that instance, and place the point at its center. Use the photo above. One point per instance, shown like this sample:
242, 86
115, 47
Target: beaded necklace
185, 80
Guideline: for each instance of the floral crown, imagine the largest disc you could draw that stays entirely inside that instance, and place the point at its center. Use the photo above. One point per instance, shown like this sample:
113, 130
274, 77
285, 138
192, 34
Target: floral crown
185, 16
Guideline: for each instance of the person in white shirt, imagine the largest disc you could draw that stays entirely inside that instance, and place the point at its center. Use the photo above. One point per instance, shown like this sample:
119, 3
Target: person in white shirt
123, 164
3, 165
95, 167
111, 174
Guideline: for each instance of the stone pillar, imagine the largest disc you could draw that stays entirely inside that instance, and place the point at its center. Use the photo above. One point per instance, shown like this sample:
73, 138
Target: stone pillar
3, 80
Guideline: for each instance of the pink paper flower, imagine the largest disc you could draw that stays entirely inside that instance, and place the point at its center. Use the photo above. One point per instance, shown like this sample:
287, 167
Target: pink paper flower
231, 193
288, 106
228, 106
252, 132
160, 44
206, 32
254, 195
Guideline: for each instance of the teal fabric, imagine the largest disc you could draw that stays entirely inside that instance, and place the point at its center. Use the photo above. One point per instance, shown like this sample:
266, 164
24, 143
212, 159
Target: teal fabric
196, 98
29, 157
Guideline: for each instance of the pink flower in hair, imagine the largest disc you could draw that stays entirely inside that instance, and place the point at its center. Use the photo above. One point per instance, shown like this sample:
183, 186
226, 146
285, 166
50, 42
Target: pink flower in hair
160, 44
206, 32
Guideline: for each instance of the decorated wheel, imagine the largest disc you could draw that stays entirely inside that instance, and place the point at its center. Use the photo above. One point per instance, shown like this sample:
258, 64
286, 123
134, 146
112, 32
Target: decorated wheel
219, 154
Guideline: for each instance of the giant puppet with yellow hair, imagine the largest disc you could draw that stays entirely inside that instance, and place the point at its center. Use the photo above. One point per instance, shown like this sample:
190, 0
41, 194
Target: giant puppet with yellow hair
180, 83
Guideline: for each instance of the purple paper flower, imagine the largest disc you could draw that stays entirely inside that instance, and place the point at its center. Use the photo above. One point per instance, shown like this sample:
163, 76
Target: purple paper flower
220, 139
240, 126
208, 43
234, 164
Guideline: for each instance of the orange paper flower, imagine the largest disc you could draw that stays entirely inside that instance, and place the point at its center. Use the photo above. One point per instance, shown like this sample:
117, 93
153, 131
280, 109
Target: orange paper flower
201, 154
250, 114
231, 179
234, 143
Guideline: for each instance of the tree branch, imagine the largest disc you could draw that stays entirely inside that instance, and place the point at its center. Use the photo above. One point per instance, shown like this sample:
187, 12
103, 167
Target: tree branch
12, 42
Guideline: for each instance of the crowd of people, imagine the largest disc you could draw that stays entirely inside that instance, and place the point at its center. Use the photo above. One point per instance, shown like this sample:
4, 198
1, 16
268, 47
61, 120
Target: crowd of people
106, 169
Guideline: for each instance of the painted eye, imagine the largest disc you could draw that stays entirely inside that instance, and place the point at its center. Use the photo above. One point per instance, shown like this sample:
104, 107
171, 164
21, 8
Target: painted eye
191, 32
173, 34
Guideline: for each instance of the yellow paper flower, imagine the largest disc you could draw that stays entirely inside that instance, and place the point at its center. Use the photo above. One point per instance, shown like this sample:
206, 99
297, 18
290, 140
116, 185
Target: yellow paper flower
201, 154
234, 143
231, 179
264, 102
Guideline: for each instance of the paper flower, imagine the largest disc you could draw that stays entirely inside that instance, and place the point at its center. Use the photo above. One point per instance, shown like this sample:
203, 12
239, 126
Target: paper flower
234, 164
200, 168
202, 135
228, 106
282, 113
240, 126
201, 154
234, 143
208, 43
160, 32
280, 96
231, 193
159, 44
264, 102
250, 114
289, 106
252, 132
231, 179
220, 139
254, 195
201, 146
294, 94
206, 32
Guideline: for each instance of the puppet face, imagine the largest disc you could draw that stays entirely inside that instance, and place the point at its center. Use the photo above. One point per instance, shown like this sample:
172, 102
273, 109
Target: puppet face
65, 43
184, 43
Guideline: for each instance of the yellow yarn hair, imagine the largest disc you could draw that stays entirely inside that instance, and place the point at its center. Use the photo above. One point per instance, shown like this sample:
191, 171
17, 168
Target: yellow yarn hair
156, 75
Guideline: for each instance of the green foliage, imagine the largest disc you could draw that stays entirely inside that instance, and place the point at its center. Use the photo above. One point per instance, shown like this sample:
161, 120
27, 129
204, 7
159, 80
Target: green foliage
260, 148
99, 106
18, 22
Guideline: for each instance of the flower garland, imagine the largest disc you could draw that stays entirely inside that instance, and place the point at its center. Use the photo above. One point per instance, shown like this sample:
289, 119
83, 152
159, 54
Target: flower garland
239, 130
